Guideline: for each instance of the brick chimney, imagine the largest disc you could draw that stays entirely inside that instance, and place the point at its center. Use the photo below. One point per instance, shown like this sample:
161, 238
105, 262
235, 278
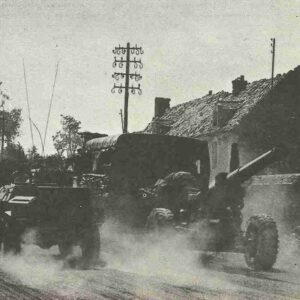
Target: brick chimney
161, 105
238, 85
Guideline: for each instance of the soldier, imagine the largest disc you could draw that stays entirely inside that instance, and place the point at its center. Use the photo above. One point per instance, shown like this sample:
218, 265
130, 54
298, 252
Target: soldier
172, 192
216, 199
19, 177
225, 197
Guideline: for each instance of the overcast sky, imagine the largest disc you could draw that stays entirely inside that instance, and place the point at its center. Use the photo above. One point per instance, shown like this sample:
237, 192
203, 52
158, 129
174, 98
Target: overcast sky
190, 47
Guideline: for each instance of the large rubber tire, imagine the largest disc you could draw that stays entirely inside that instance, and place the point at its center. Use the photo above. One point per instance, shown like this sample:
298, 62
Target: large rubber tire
2, 228
261, 242
65, 249
11, 240
159, 219
90, 246
11, 235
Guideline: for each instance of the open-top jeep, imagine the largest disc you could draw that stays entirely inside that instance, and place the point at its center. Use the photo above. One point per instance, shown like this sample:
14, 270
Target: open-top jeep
57, 215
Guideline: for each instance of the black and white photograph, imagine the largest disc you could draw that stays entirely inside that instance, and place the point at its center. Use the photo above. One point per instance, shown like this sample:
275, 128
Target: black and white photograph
149, 149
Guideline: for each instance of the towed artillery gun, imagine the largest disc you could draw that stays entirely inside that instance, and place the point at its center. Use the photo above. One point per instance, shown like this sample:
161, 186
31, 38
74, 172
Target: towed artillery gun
153, 182
56, 215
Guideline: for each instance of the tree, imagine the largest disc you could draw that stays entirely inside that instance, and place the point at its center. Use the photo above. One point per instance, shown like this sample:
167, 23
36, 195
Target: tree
12, 123
15, 152
33, 154
67, 139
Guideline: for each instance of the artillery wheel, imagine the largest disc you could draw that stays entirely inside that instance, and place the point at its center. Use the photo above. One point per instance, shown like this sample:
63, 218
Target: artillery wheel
159, 219
90, 246
261, 242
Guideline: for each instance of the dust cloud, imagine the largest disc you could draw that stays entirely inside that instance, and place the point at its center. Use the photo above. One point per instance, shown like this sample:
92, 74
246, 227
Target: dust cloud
41, 269
166, 256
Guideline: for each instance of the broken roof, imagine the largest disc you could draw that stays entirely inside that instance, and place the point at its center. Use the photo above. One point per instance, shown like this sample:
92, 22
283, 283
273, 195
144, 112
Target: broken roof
195, 118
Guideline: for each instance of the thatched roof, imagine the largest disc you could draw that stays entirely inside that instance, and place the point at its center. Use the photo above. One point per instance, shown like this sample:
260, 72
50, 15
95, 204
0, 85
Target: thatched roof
195, 118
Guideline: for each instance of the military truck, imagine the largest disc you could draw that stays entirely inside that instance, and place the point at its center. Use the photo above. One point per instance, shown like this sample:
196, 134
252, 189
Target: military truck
153, 182
55, 215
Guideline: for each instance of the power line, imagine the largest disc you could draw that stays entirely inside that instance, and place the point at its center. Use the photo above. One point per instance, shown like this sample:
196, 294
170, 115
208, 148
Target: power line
41, 140
28, 106
50, 106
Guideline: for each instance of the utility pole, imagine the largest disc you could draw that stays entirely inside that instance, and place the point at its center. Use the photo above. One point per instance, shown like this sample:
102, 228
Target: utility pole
121, 115
128, 61
273, 41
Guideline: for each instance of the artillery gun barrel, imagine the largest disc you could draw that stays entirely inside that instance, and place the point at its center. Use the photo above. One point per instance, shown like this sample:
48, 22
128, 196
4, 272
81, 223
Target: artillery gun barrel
243, 173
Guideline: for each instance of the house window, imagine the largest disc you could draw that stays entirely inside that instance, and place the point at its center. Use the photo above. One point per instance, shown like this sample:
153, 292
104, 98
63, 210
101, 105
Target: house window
214, 154
198, 166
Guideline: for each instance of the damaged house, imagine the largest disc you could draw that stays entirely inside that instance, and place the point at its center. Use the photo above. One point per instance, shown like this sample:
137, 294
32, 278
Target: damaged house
241, 125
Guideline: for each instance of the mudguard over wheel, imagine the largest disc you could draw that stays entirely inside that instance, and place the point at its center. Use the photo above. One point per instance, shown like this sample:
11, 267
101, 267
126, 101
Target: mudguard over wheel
261, 242
159, 219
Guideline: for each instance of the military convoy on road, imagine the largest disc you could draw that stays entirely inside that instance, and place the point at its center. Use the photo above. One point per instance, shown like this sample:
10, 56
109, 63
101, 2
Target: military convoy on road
147, 182
154, 182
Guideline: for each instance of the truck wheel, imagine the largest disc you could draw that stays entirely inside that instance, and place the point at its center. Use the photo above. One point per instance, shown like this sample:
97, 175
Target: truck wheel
261, 242
65, 249
11, 240
159, 219
2, 227
90, 246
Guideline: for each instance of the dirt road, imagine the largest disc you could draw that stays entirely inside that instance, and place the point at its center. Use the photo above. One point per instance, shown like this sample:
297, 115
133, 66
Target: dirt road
39, 275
